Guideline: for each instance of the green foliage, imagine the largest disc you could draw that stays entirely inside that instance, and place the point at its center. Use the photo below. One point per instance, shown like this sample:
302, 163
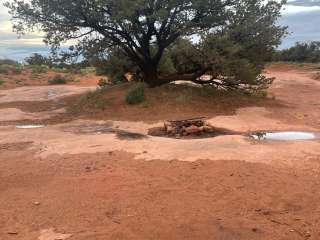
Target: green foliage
149, 39
37, 59
10, 69
92, 100
1, 82
136, 94
116, 66
69, 77
58, 79
86, 70
8, 66
39, 69
300, 52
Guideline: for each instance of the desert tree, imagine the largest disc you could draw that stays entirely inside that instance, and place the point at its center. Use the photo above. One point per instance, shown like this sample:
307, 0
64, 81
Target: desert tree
162, 40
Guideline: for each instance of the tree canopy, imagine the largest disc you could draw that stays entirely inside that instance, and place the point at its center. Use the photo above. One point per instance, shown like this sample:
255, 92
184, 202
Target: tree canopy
160, 41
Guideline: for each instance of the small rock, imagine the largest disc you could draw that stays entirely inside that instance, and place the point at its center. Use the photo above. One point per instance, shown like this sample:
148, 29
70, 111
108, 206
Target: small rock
12, 233
50, 234
36, 203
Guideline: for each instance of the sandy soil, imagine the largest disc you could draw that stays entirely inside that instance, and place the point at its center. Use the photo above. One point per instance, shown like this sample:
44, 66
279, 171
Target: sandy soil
89, 179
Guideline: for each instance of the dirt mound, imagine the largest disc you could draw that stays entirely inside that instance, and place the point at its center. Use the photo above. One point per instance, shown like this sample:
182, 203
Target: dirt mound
165, 102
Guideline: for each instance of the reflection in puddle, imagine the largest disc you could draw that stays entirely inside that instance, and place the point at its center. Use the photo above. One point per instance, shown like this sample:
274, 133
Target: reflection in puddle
29, 126
288, 135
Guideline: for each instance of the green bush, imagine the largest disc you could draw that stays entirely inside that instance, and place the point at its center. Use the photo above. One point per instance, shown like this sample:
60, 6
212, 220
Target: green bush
58, 79
1, 82
38, 69
38, 59
136, 95
13, 69
91, 101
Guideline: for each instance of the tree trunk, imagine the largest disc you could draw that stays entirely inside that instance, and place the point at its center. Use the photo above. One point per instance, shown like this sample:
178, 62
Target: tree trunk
150, 75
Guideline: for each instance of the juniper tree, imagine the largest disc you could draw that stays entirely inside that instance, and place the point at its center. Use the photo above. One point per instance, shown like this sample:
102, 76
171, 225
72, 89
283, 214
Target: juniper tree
226, 39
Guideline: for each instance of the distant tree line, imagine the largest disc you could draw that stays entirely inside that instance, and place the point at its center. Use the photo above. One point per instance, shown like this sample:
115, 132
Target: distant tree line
300, 52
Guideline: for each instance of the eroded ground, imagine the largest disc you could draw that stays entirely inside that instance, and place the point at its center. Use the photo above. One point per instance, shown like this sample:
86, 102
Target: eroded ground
106, 179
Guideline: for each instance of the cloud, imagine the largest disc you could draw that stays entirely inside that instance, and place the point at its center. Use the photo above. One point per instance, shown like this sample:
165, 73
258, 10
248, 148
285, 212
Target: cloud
21, 51
306, 3
303, 26
293, 9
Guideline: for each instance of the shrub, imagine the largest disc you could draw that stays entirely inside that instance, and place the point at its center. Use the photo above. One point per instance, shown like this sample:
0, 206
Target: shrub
87, 70
58, 79
91, 101
37, 59
1, 82
136, 95
13, 69
38, 69
69, 77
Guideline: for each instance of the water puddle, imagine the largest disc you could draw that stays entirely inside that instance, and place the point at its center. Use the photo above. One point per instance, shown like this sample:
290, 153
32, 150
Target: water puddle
29, 126
105, 128
286, 135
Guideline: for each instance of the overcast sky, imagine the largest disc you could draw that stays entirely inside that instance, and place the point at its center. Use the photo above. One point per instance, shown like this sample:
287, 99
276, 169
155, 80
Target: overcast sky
302, 17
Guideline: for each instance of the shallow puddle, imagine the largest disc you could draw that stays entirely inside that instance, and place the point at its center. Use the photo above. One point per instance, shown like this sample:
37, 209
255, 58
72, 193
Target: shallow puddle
286, 135
105, 128
29, 126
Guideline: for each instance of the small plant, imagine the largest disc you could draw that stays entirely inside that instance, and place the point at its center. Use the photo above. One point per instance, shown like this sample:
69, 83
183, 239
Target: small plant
261, 94
136, 95
1, 82
146, 104
92, 100
10, 69
58, 79
69, 77
103, 83
38, 69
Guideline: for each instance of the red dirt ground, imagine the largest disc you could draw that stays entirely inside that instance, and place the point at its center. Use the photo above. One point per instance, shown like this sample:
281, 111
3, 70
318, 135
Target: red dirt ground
115, 195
